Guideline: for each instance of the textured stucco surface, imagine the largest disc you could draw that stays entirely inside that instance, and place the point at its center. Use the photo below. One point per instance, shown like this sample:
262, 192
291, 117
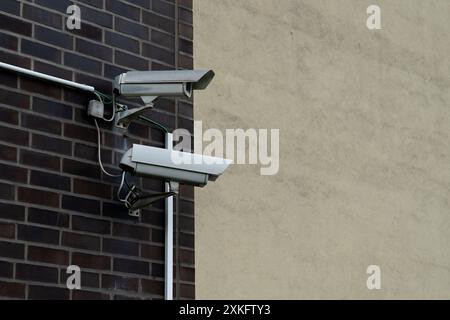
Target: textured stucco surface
364, 119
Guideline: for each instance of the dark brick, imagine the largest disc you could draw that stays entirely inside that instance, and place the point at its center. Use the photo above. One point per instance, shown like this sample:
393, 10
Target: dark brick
187, 256
12, 250
82, 63
157, 236
89, 295
81, 241
187, 207
129, 231
6, 191
186, 46
10, 211
14, 59
80, 204
185, 15
39, 123
8, 79
187, 274
113, 282
94, 3
9, 116
141, 3
91, 261
97, 17
131, 61
40, 160
49, 180
117, 211
54, 37
13, 173
122, 42
92, 188
11, 289
47, 217
89, 31
14, 136
36, 273
40, 51
120, 247
41, 87
7, 230
187, 224
153, 217
6, 271
94, 50
152, 252
81, 169
47, 293
112, 71
88, 279
187, 291
52, 144
164, 8
60, 5
185, 3
39, 197
186, 109
47, 255
81, 133
90, 153
187, 240
42, 16
187, 191
156, 185
38, 234
156, 21
15, 25
186, 31
51, 108
52, 70
8, 42
8, 153
131, 266
185, 62
91, 225
153, 286
132, 29
123, 9
163, 39
158, 270
10, 6
122, 297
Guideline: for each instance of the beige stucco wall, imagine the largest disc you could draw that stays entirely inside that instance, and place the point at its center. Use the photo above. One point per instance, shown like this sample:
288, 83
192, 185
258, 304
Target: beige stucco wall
364, 119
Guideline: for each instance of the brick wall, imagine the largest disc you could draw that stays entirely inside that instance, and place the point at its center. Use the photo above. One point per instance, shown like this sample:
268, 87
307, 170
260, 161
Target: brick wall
56, 207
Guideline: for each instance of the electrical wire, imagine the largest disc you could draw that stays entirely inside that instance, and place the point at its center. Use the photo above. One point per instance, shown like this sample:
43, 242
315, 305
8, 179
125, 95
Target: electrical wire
121, 187
160, 126
100, 153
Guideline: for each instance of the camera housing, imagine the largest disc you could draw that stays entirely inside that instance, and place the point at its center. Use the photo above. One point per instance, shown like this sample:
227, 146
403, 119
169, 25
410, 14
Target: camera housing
171, 165
152, 84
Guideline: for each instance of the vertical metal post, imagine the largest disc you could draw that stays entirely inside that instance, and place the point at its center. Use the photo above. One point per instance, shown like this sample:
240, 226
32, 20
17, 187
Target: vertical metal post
168, 268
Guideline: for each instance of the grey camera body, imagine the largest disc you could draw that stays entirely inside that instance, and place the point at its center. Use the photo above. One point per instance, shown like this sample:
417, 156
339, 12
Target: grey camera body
152, 84
171, 165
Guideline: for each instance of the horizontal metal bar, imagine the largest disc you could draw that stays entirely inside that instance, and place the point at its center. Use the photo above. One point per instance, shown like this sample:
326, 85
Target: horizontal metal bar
46, 77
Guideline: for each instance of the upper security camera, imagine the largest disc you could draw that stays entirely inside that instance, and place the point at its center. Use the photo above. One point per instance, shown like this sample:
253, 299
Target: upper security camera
151, 84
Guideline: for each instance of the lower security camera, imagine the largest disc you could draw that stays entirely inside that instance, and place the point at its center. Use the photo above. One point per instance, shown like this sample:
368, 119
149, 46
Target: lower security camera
171, 165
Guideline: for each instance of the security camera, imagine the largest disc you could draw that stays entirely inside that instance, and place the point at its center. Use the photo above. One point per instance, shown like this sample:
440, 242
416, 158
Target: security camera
152, 84
171, 165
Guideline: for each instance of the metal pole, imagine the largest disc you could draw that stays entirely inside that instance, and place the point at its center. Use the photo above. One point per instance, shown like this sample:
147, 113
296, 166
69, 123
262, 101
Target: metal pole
168, 268
46, 77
